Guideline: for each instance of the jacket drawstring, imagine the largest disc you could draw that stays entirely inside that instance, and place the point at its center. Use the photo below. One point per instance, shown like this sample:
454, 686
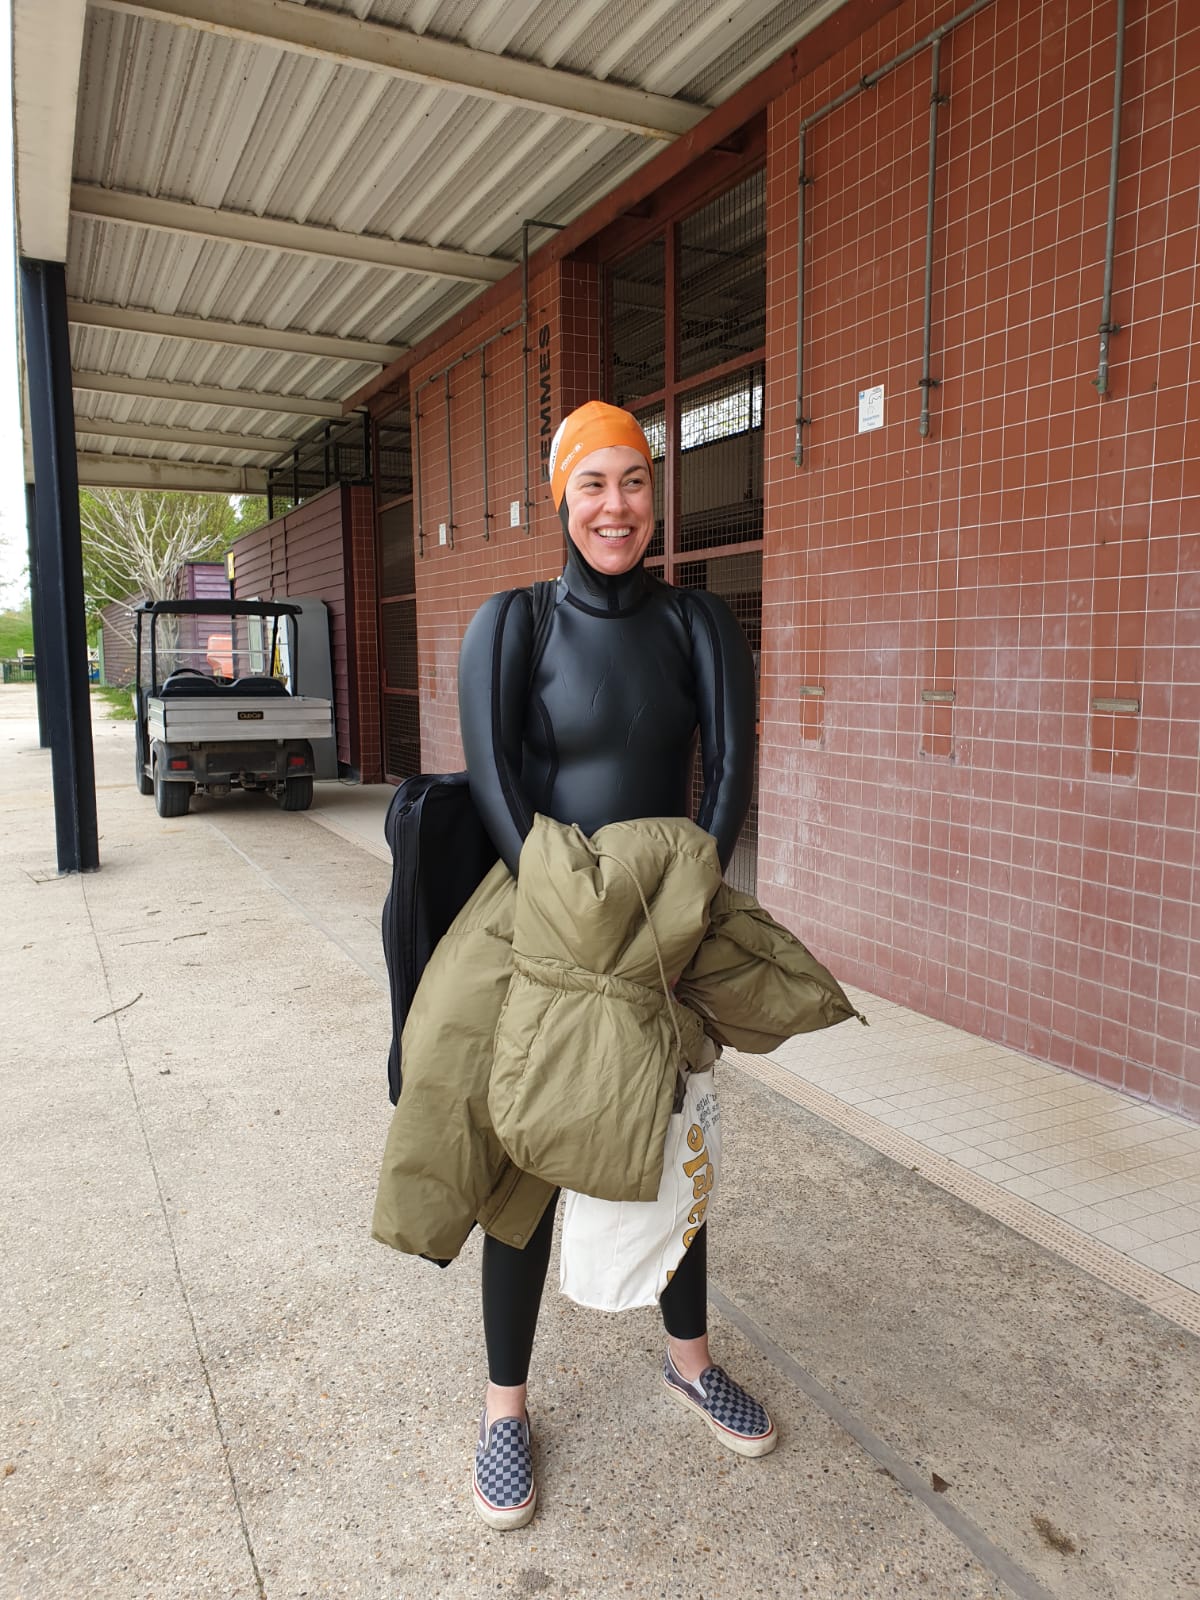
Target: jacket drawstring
607, 855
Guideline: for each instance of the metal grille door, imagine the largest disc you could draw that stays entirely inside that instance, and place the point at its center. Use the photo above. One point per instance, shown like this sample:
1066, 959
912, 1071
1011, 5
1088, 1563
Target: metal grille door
684, 335
401, 712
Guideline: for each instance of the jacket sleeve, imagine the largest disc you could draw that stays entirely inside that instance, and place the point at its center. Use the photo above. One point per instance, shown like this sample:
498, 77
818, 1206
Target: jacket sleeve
725, 700
493, 689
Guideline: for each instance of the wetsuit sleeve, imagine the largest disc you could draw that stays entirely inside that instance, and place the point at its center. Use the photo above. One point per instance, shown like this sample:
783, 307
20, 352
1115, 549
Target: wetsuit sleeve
725, 702
493, 689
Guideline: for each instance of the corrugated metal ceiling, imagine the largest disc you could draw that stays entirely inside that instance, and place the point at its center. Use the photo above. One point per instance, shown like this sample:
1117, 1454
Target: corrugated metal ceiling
246, 127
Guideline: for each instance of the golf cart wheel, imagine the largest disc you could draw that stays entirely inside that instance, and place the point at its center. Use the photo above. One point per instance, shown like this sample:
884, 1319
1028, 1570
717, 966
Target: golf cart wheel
145, 785
296, 794
171, 799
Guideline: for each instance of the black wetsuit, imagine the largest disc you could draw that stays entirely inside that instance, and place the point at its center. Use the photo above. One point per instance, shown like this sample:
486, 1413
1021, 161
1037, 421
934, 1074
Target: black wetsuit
630, 670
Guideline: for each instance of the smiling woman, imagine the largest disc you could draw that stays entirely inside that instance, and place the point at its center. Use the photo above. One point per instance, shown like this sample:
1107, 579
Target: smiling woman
597, 725
611, 517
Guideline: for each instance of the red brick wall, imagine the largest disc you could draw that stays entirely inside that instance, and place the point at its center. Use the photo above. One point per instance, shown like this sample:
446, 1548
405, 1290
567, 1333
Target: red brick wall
1014, 863
488, 553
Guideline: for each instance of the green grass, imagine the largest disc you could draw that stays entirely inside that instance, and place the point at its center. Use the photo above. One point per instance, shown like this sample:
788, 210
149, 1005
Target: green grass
118, 701
16, 633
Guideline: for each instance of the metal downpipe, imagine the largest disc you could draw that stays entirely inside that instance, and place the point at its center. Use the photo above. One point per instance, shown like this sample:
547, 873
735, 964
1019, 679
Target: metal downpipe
483, 377
936, 99
868, 81
801, 419
1107, 326
416, 470
449, 466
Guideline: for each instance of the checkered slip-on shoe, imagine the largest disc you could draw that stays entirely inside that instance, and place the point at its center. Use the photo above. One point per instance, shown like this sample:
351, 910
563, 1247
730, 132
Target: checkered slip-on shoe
737, 1419
505, 1493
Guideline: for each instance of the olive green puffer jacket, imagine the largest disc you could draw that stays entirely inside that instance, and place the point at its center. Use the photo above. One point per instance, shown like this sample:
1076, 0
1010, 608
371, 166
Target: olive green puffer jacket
543, 1041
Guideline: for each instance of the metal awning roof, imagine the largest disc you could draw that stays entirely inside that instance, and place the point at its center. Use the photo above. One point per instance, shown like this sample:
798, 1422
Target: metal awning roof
261, 203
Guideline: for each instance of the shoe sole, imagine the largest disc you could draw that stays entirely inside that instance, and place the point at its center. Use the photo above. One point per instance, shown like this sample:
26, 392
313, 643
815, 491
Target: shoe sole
504, 1518
739, 1443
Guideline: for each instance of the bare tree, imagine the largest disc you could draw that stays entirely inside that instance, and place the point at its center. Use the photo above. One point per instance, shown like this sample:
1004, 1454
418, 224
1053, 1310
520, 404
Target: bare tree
136, 543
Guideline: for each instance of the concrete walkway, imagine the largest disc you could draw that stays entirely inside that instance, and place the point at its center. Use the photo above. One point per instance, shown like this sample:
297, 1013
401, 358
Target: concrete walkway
215, 1386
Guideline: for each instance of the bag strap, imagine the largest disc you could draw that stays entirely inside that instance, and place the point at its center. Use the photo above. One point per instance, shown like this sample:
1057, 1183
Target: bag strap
543, 597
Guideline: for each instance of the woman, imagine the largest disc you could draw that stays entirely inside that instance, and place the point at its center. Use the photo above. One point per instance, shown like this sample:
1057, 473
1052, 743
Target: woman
603, 732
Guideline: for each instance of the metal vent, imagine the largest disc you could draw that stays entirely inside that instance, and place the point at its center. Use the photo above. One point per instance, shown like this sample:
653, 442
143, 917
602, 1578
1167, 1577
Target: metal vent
637, 326
722, 291
401, 735
398, 626
397, 574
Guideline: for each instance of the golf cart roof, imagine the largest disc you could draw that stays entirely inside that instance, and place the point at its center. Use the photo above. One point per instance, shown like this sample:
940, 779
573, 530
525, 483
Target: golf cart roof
217, 608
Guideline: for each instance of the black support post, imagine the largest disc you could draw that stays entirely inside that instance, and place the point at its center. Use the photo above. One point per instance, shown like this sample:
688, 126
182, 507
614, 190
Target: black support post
57, 566
35, 600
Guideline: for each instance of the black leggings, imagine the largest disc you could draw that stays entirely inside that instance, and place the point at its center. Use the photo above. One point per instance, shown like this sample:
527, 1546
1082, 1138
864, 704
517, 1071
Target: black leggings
512, 1295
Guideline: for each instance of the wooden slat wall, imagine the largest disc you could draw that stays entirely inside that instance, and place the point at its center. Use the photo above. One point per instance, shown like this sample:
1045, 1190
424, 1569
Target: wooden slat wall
207, 581
120, 664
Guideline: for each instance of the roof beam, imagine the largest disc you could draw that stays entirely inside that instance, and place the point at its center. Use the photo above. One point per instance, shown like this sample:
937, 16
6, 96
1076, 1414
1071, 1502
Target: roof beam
47, 44
294, 405
344, 40
275, 233
140, 472
130, 319
106, 428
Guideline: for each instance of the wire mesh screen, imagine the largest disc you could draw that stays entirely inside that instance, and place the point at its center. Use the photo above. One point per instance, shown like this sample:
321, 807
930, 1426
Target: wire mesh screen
397, 562
738, 581
401, 736
721, 463
393, 456
722, 287
654, 425
637, 327
398, 627
338, 453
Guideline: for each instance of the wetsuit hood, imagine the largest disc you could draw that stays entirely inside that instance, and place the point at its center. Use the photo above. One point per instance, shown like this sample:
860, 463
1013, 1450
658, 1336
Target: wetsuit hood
598, 591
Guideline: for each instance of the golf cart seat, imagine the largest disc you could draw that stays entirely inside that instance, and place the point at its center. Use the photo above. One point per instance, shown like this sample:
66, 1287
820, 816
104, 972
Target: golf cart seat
188, 684
251, 685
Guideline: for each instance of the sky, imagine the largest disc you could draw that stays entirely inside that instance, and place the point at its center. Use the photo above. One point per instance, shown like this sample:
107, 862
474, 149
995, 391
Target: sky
13, 544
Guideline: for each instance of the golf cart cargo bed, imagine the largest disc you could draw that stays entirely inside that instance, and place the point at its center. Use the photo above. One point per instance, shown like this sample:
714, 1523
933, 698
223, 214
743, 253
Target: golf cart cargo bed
229, 716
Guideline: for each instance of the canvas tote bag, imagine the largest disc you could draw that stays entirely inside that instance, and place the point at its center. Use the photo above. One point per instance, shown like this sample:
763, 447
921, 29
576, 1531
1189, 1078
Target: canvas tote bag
616, 1254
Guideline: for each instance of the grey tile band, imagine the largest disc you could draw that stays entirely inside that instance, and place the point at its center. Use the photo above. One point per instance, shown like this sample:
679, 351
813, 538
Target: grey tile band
997, 1561
1152, 1289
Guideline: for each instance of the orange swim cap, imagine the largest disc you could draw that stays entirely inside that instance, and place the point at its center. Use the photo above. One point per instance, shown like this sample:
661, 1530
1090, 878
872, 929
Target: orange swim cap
594, 426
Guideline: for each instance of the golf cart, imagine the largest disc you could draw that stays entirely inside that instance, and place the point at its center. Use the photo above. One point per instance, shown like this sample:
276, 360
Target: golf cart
216, 703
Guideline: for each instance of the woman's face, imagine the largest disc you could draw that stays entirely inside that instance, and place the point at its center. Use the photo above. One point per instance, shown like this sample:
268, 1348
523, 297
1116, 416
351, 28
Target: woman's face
610, 509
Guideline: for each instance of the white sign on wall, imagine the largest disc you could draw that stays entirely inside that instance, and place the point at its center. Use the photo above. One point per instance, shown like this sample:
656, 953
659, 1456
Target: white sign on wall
870, 408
